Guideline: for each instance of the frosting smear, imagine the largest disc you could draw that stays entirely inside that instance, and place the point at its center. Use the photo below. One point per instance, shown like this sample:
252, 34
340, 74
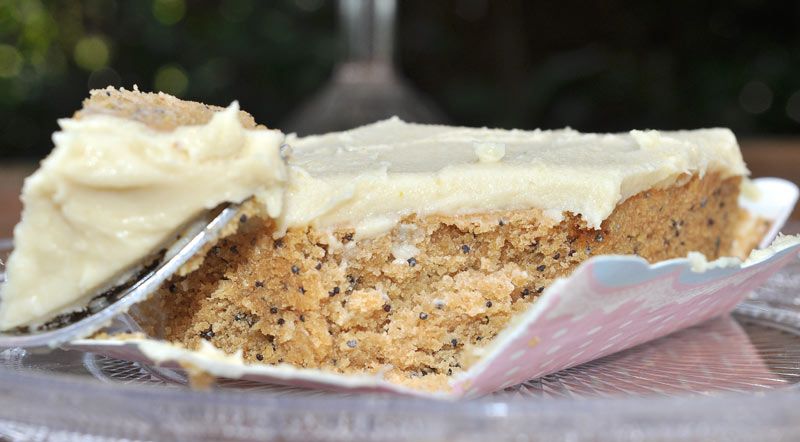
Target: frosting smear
113, 190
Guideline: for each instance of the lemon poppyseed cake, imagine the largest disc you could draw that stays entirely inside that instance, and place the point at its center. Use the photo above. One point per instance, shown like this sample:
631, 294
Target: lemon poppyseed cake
393, 248
403, 249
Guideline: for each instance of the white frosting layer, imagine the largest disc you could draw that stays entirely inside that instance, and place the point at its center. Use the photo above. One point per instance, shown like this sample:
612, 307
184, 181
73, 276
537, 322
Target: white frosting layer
114, 190
370, 177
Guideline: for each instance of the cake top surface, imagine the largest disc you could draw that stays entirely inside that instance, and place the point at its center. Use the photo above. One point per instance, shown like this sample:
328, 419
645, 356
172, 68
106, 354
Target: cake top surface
126, 172
370, 176
402, 147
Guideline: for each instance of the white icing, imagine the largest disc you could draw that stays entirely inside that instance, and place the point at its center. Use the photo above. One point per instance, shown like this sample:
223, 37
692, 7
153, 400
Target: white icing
113, 190
376, 174
780, 243
554, 214
700, 263
750, 191
489, 152
403, 252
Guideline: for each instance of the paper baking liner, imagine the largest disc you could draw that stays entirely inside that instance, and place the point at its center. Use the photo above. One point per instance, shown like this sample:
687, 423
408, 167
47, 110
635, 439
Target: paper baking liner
608, 304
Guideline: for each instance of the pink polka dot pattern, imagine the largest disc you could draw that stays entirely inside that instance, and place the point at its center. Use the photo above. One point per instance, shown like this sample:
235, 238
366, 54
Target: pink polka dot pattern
669, 297
720, 355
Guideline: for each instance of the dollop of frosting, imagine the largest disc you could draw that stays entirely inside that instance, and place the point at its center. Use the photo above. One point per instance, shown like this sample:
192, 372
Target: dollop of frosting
113, 190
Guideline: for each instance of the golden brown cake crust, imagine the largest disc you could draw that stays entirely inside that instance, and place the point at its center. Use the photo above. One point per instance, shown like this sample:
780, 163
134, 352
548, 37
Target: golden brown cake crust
159, 111
326, 300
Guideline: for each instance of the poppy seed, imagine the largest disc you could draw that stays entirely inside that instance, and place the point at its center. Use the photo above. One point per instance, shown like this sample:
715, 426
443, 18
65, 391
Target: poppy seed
207, 334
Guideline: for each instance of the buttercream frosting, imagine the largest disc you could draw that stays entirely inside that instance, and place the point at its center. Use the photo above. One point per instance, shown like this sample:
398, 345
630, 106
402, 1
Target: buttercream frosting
370, 177
113, 190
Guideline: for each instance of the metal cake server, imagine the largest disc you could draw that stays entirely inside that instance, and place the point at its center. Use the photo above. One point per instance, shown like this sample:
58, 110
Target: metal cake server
113, 301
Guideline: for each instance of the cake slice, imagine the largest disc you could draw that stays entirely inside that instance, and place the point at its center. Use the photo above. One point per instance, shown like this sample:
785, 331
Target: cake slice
403, 249
394, 248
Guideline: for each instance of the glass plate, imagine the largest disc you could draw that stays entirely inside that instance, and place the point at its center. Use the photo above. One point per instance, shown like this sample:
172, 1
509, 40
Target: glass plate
732, 378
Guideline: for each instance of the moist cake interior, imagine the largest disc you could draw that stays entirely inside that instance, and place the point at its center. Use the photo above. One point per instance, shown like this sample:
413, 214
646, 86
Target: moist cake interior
322, 299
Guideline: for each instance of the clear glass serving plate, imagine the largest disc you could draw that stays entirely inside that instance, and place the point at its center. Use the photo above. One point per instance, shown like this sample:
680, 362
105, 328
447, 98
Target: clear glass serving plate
732, 378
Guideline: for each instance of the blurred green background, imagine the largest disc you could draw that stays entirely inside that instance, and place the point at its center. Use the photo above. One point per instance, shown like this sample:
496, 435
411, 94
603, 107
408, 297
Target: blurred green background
595, 66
